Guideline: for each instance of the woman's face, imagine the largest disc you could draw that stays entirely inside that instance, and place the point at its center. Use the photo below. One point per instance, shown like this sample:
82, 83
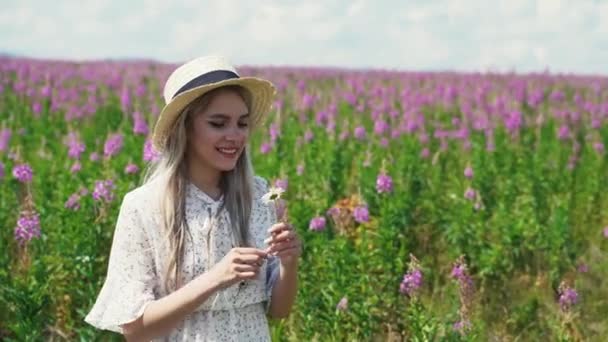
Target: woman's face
218, 134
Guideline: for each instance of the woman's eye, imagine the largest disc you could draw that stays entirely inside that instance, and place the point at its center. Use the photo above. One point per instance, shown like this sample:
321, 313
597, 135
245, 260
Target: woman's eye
243, 124
216, 124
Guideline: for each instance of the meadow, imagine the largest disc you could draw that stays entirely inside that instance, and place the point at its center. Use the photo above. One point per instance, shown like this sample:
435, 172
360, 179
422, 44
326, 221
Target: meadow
432, 206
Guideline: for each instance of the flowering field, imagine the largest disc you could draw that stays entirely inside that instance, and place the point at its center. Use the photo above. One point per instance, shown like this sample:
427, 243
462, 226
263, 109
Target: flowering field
432, 206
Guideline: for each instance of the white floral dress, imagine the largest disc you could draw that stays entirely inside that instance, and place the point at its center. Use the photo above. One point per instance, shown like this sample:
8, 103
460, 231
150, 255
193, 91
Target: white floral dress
138, 254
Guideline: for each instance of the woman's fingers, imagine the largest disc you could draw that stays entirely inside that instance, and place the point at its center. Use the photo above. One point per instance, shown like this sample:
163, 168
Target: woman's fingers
249, 251
278, 227
292, 251
249, 275
284, 235
246, 268
249, 259
286, 245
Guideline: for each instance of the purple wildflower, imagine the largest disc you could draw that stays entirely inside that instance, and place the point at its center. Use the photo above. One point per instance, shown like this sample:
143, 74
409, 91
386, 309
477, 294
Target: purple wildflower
281, 183
75, 146
73, 203
333, 211
599, 147
28, 227
583, 268
343, 135
380, 127
466, 289
384, 183
563, 132
513, 121
140, 90
278, 104
308, 101
76, 167
458, 272
478, 205
265, 148
360, 132
411, 282
150, 154
468, 172
103, 190
5, 137
274, 132
300, 169
322, 116
46, 91
568, 297
606, 232
139, 124
113, 145
131, 168
75, 149
317, 223
36, 108
23, 173
125, 99
361, 214
557, 96
423, 138
342, 304
94, 156
425, 153
462, 327
470, 194
308, 135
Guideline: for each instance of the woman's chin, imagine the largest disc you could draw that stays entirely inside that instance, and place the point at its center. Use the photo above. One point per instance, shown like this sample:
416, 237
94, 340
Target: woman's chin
226, 166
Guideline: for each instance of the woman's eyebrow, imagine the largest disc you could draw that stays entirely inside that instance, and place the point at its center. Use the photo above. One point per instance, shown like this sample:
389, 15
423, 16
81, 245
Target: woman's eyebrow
226, 116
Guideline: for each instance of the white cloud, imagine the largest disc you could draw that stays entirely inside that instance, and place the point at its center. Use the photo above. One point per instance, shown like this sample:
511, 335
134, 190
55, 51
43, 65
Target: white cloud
449, 34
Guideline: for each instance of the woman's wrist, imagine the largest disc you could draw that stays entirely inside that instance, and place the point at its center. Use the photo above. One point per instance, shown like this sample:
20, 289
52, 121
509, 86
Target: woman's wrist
291, 263
210, 281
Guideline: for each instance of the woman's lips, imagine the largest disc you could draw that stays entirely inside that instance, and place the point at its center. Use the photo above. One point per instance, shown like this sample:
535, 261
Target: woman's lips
229, 153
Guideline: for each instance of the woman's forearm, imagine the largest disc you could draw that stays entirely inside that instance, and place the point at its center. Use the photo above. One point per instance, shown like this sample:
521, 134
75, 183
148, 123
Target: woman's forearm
284, 291
164, 314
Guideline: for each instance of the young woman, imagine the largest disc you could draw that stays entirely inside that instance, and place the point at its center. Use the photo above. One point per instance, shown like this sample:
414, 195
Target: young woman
197, 255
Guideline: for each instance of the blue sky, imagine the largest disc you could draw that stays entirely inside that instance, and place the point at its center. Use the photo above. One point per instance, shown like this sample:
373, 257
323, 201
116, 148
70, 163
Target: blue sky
468, 35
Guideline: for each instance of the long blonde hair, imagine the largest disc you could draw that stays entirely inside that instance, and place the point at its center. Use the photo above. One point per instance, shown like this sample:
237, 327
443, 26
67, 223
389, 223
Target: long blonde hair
171, 168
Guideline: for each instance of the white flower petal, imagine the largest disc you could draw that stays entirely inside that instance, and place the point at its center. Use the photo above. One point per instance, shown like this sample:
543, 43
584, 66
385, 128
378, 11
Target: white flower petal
272, 195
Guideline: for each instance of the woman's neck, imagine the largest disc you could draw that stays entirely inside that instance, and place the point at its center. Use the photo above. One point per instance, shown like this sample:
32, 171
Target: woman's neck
205, 179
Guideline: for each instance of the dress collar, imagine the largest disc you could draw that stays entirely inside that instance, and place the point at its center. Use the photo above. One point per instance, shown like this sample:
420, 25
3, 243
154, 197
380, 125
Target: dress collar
200, 194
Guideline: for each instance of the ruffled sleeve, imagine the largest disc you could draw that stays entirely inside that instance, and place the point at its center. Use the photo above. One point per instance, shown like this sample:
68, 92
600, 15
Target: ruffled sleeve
131, 275
272, 265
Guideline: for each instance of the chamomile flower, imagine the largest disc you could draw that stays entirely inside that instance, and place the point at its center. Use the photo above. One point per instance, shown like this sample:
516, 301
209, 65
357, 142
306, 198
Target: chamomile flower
272, 195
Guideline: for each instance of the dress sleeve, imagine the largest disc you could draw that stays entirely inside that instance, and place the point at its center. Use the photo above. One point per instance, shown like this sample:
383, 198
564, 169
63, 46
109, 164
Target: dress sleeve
272, 274
272, 268
131, 275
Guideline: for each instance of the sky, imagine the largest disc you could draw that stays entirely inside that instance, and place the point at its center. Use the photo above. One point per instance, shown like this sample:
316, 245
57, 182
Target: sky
459, 35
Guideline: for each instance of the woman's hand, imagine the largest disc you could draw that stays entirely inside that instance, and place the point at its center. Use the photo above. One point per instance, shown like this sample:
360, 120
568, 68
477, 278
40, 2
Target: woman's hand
241, 263
284, 243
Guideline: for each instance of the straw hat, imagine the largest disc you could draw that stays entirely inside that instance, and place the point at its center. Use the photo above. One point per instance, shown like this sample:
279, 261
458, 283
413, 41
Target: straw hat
198, 76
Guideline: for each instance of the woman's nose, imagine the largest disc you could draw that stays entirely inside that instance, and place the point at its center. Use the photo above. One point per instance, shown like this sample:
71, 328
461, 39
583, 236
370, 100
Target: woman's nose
235, 134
